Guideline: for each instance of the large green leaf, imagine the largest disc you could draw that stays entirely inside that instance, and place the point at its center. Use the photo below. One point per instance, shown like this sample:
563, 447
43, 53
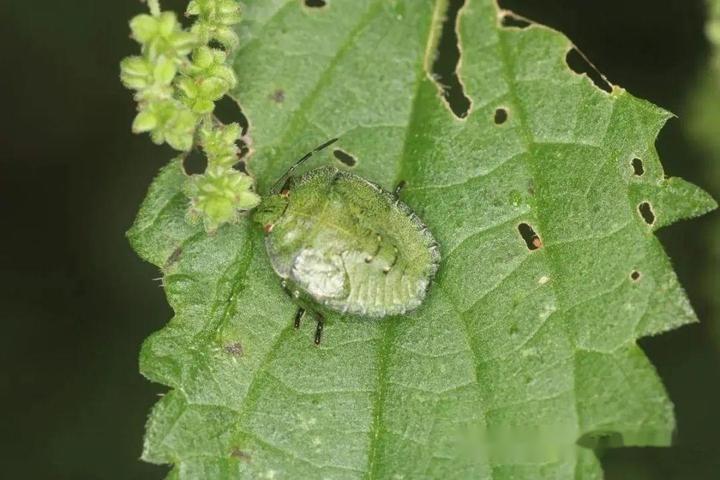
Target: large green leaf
520, 359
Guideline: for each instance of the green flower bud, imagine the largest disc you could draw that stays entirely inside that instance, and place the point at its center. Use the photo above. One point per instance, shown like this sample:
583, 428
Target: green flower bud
214, 19
143, 28
219, 195
167, 121
153, 82
145, 121
164, 71
219, 143
162, 35
200, 95
207, 32
218, 12
136, 73
180, 131
210, 62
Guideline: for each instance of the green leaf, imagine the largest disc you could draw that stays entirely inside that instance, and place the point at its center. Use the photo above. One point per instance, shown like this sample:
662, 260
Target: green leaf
521, 361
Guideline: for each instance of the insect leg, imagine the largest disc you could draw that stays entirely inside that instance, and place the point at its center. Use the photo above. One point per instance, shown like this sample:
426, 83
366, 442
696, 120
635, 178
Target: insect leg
319, 328
300, 313
298, 316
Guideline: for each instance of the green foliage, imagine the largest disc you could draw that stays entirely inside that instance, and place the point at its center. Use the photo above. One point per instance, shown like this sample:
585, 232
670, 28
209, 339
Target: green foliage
219, 194
215, 21
176, 98
520, 361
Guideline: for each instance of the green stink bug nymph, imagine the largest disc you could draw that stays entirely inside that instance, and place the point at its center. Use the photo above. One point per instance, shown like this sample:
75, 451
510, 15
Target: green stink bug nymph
342, 243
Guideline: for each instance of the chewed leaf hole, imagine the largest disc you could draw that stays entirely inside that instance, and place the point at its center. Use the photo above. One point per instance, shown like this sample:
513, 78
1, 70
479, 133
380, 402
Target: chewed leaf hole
214, 43
195, 162
501, 116
646, 212
241, 166
345, 157
601, 439
315, 3
512, 20
635, 276
532, 240
244, 149
638, 168
447, 58
579, 64
227, 111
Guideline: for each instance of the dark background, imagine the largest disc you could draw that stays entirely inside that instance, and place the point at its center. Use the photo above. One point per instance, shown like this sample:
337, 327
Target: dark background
76, 303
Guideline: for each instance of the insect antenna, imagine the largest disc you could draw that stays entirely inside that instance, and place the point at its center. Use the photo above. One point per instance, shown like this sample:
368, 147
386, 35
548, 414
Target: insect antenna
304, 158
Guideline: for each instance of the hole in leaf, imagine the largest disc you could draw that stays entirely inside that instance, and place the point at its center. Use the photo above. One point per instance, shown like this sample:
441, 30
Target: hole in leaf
243, 147
215, 44
646, 212
512, 20
501, 115
345, 157
444, 68
635, 275
579, 64
241, 167
532, 240
315, 3
195, 162
227, 111
601, 440
638, 168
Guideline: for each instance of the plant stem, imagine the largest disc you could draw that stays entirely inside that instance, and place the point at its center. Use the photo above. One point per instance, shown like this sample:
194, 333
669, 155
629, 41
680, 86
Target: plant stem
154, 6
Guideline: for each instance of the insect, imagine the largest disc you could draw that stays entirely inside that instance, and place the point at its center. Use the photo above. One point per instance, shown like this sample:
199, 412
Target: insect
342, 243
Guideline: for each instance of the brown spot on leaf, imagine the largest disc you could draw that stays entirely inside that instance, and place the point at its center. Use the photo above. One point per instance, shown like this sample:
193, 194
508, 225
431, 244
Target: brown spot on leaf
278, 96
235, 349
174, 257
242, 455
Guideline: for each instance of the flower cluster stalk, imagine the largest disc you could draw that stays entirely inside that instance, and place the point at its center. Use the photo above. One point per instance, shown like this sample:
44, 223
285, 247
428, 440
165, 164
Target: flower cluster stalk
178, 77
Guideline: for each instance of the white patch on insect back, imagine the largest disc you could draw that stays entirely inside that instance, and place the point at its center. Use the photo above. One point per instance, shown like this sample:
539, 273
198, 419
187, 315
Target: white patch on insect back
322, 276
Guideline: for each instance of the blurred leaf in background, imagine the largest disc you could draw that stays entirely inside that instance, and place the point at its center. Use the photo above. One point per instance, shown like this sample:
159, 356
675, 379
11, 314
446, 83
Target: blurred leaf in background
703, 128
